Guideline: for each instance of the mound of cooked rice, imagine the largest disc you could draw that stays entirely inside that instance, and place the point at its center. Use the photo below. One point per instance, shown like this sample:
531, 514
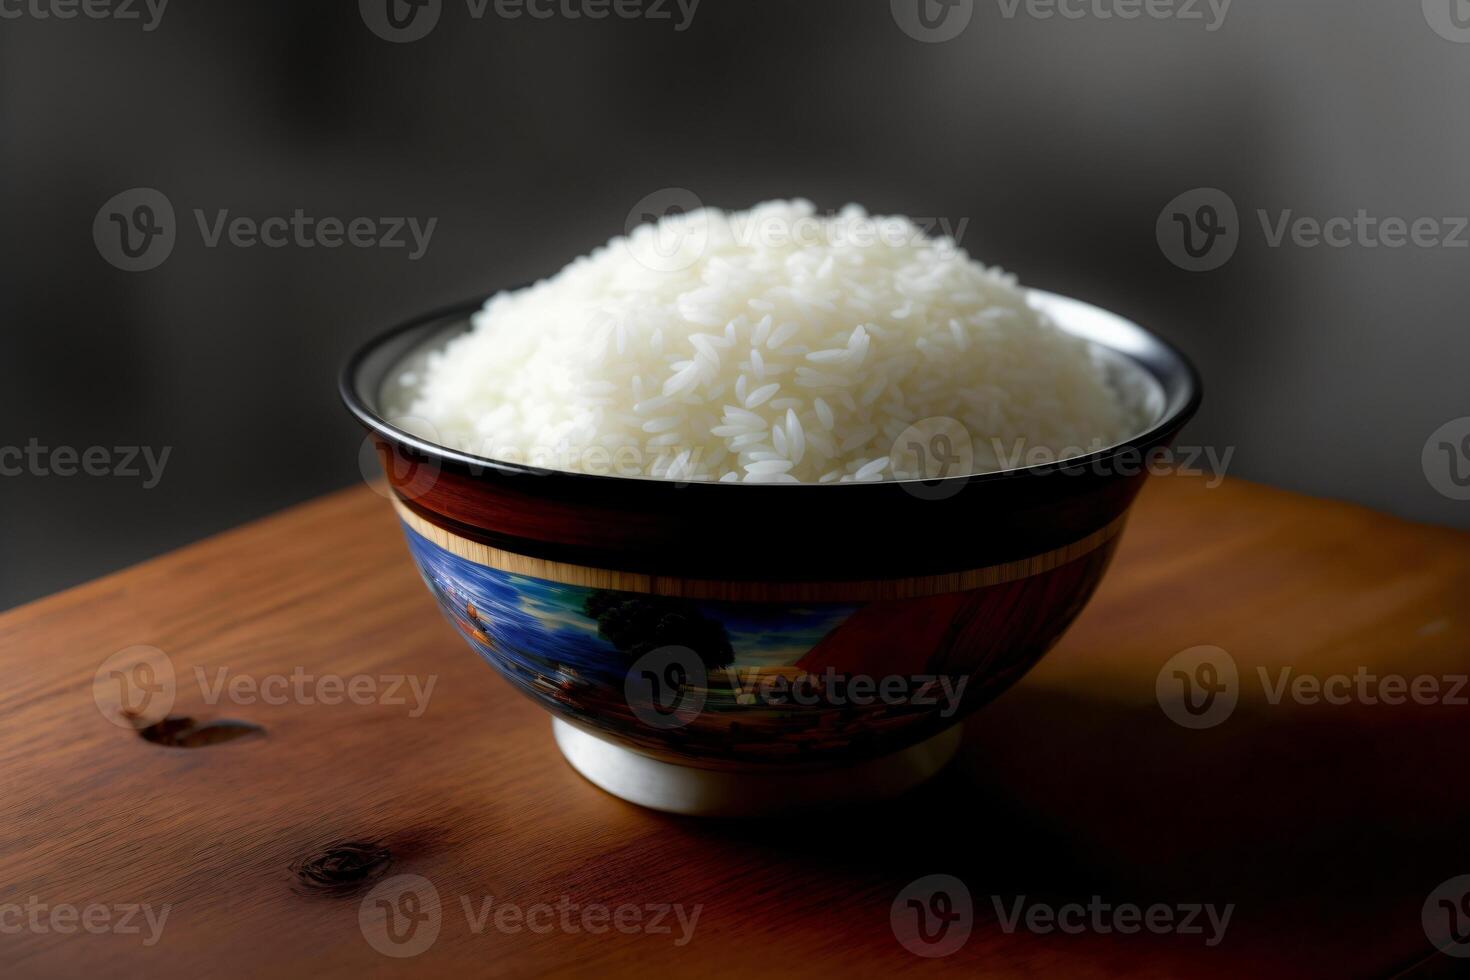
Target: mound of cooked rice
771, 345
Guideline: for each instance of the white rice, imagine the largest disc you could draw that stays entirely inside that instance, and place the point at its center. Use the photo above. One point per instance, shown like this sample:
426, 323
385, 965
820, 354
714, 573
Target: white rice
771, 345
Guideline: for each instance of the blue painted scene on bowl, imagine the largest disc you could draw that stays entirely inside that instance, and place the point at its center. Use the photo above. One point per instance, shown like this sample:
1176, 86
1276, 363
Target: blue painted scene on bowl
725, 684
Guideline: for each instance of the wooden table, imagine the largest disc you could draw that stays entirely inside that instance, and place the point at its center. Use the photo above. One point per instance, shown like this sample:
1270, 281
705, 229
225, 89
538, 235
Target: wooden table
1326, 826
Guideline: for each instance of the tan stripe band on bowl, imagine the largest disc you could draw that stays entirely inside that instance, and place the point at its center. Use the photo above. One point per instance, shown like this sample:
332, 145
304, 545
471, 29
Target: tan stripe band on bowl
755, 591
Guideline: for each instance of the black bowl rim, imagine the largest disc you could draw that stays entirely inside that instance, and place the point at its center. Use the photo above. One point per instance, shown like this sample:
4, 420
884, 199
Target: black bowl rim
349, 385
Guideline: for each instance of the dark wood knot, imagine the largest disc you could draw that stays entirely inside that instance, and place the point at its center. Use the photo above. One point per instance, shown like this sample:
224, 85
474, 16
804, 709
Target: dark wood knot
182, 732
343, 868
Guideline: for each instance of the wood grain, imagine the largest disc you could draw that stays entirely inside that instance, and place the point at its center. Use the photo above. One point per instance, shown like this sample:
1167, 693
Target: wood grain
1327, 826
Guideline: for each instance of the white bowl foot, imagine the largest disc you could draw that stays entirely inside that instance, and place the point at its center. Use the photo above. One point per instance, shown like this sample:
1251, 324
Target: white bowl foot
744, 793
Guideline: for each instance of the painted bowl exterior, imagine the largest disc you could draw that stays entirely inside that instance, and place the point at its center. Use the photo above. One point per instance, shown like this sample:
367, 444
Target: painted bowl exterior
823, 676
731, 626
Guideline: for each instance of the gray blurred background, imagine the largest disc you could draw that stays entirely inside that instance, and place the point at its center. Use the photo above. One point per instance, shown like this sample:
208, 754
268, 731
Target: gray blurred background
1058, 139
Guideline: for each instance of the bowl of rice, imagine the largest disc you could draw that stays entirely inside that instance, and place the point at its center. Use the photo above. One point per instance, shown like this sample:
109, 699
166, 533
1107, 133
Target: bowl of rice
760, 504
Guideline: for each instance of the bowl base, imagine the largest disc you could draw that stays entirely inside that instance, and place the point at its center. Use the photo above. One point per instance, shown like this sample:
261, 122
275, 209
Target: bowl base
688, 790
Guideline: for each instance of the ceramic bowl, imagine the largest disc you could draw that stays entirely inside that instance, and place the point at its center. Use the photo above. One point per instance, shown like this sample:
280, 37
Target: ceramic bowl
700, 642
